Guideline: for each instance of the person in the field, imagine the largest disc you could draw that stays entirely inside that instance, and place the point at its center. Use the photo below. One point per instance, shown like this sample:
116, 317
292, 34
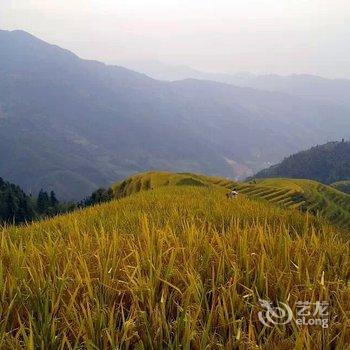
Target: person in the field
233, 193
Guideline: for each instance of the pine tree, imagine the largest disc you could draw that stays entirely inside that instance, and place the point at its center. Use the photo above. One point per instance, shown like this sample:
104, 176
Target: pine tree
25, 210
53, 200
15, 206
99, 196
43, 202
11, 207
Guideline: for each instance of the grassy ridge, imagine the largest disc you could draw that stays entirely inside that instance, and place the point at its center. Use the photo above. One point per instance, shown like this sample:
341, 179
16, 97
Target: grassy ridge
306, 195
153, 180
343, 186
179, 266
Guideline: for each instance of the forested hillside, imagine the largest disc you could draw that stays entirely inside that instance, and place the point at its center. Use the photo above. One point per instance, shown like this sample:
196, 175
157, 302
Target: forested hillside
16, 207
327, 163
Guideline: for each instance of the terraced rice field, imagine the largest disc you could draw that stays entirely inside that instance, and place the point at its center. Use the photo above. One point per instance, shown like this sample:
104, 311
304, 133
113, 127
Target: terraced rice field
281, 196
305, 195
343, 186
176, 267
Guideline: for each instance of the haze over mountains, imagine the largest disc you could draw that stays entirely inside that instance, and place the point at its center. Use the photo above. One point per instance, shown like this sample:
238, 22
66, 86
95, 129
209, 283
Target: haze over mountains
302, 85
73, 125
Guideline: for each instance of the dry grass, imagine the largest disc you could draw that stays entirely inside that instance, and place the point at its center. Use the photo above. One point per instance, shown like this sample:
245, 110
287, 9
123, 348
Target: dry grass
176, 267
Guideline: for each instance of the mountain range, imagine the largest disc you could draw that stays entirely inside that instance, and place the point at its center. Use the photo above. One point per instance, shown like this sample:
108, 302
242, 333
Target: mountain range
73, 125
334, 91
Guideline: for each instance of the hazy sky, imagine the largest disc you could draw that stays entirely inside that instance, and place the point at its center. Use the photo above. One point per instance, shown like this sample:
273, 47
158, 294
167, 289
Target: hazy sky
262, 36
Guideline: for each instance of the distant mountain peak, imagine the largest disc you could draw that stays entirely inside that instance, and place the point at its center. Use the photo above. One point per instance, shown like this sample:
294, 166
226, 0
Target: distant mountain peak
23, 44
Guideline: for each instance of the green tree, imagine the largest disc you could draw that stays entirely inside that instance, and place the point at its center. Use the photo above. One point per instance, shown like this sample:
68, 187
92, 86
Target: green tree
53, 200
11, 207
99, 196
43, 202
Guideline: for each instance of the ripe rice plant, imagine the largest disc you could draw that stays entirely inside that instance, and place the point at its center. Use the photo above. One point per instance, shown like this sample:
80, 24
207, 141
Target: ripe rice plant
169, 268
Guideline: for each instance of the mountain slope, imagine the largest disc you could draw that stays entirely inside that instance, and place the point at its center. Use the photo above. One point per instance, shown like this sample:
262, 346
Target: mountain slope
72, 125
326, 163
153, 180
343, 186
176, 267
305, 195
